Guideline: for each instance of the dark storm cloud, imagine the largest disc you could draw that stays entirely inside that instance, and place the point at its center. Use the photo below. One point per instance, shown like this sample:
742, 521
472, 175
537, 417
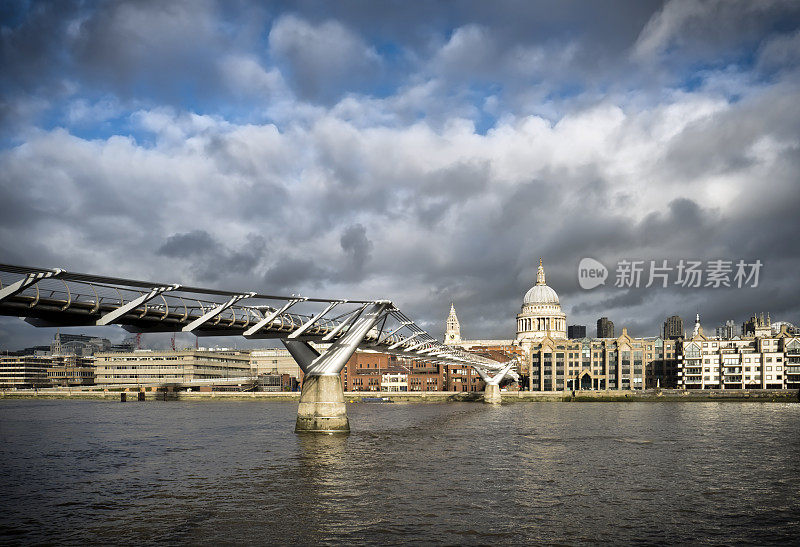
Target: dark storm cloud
355, 244
209, 258
193, 243
682, 221
713, 30
31, 42
306, 274
296, 275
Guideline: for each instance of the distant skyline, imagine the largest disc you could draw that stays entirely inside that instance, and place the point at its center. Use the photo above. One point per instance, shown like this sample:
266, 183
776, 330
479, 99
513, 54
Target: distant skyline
427, 155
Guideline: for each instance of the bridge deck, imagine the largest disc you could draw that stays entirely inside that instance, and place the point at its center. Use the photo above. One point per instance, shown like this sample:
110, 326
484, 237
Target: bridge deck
59, 298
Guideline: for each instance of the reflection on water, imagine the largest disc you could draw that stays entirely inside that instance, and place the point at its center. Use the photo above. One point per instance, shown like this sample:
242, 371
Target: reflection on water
182, 472
321, 450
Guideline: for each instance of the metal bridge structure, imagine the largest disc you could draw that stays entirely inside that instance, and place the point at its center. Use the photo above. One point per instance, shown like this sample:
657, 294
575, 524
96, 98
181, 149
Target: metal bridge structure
335, 327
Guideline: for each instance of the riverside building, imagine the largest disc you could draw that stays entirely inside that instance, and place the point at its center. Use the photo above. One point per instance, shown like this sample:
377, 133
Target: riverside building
624, 362
40, 371
24, 372
71, 371
375, 371
165, 367
759, 360
274, 361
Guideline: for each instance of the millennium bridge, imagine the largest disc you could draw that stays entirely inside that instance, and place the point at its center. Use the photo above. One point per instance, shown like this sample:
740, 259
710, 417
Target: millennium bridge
58, 298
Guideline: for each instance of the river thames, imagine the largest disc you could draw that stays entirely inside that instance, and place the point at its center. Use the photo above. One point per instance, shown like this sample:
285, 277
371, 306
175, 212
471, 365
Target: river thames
234, 472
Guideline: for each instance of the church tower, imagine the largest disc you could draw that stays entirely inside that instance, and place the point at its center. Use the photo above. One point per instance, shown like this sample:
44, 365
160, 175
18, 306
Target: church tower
452, 333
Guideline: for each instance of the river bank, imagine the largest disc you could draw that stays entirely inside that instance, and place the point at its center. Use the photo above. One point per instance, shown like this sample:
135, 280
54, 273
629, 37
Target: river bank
663, 395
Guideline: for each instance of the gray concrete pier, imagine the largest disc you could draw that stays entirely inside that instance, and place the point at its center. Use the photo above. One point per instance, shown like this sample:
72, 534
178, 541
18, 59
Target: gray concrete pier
492, 394
322, 408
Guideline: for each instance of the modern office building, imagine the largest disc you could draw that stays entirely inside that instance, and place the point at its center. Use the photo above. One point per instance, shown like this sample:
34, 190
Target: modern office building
78, 344
71, 371
274, 361
37, 351
147, 367
83, 345
24, 372
599, 364
673, 328
575, 332
605, 328
276, 382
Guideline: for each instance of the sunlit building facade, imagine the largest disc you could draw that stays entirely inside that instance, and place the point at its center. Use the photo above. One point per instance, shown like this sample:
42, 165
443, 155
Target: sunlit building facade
24, 372
760, 360
165, 367
625, 363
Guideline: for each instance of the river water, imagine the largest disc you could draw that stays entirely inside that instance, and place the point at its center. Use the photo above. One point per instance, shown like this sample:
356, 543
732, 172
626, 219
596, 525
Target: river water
234, 472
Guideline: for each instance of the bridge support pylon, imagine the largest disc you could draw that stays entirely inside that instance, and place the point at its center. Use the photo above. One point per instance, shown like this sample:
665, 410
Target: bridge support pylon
322, 408
491, 393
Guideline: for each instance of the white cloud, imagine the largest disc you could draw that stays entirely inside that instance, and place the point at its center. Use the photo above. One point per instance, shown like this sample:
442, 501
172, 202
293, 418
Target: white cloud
471, 48
244, 75
82, 111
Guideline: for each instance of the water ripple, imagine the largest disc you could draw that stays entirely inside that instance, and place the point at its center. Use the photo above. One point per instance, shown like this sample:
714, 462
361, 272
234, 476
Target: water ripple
547, 473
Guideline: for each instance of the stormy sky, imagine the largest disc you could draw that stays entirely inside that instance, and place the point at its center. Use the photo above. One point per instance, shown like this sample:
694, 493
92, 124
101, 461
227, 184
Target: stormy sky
420, 152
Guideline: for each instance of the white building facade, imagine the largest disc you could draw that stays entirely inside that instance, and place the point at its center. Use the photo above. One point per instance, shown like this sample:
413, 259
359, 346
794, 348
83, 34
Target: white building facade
760, 361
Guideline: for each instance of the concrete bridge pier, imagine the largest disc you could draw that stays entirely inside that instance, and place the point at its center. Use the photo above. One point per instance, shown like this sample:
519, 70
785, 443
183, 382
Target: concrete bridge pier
491, 394
322, 408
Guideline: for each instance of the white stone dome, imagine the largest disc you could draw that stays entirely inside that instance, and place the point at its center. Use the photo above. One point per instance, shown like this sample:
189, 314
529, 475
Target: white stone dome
541, 315
540, 294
